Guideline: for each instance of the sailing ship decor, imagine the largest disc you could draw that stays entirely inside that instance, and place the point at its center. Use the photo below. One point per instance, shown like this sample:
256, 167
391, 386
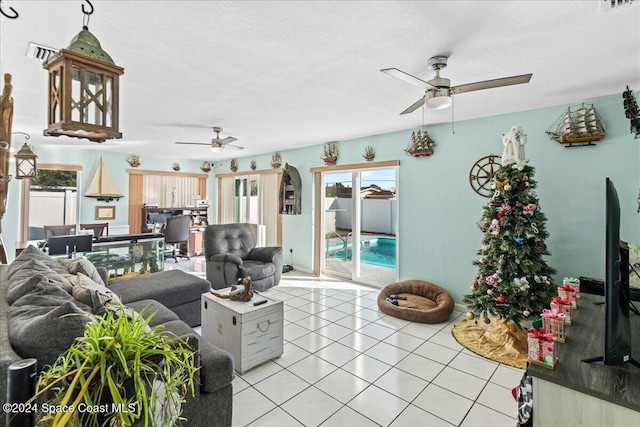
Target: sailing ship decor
102, 186
276, 160
578, 126
420, 145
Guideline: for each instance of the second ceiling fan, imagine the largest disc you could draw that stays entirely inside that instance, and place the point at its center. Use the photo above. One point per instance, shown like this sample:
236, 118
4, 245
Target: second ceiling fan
217, 144
438, 91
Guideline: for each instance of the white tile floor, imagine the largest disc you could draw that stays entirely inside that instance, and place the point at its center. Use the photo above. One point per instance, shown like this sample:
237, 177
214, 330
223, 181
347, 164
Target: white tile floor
347, 364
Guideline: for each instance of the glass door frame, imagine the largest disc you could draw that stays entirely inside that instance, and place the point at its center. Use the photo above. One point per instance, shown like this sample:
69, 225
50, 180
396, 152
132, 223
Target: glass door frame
319, 209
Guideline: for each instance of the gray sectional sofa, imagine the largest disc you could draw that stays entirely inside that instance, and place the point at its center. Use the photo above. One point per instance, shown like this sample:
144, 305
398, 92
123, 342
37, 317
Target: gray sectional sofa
37, 290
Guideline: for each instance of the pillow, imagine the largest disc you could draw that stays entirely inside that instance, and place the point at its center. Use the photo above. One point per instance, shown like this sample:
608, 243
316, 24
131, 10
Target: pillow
94, 294
32, 253
45, 322
24, 280
84, 266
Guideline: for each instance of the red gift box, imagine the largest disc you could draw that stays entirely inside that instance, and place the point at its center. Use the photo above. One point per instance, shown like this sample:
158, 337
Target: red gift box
573, 282
569, 292
541, 348
553, 322
562, 305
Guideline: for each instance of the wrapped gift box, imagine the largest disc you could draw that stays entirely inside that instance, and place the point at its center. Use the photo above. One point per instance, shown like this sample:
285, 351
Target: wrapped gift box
573, 281
541, 348
569, 292
562, 305
553, 323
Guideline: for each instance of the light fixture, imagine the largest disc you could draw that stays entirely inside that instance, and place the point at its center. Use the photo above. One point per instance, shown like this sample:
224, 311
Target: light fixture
439, 99
216, 148
83, 89
26, 165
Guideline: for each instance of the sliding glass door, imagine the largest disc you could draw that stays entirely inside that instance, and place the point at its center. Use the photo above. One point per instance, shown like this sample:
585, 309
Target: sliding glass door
359, 220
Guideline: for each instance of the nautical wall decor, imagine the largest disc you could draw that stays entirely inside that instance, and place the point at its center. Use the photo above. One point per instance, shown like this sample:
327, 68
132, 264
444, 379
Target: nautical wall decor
578, 126
631, 111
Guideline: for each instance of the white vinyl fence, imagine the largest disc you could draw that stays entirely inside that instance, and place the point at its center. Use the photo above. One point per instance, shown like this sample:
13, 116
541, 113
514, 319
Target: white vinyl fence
378, 215
52, 208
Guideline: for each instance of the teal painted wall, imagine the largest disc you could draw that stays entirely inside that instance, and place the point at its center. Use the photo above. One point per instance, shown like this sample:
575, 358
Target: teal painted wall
438, 238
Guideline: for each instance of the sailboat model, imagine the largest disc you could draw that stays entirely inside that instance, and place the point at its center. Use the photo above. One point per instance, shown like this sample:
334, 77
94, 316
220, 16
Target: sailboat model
580, 126
102, 185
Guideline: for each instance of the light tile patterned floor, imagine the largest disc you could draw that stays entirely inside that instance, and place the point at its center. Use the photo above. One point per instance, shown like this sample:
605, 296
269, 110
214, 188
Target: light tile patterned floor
347, 364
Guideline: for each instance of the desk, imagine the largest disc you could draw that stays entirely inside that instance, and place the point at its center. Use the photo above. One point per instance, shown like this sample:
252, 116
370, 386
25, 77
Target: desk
587, 394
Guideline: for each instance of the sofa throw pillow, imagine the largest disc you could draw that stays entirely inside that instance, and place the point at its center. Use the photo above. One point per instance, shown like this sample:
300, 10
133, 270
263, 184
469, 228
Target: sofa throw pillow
84, 266
93, 294
45, 322
32, 253
25, 279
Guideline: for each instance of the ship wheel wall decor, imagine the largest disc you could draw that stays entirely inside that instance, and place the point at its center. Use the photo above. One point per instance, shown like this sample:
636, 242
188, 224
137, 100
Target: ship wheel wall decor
482, 173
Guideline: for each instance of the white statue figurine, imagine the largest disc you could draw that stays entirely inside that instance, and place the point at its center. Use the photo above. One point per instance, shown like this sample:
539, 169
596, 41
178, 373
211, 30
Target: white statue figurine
514, 141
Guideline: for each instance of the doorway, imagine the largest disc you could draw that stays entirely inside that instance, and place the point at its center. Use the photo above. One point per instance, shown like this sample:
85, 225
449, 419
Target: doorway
359, 223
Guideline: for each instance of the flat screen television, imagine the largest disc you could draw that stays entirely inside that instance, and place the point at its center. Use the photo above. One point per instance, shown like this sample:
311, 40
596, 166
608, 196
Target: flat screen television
66, 245
617, 327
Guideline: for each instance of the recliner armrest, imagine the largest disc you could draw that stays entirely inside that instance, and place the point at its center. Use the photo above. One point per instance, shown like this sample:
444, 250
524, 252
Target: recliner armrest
265, 254
226, 258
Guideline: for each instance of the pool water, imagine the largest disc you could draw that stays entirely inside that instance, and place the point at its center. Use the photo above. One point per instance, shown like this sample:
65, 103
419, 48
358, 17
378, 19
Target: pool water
375, 250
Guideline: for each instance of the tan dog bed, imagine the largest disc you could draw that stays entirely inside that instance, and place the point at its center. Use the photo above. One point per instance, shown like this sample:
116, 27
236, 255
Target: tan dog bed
425, 303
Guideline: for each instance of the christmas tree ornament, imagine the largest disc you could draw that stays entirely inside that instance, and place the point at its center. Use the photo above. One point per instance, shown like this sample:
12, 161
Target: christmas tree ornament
494, 228
470, 315
500, 214
483, 261
489, 291
507, 187
519, 240
534, 228
529, 208
506, 206
517, 260
502, 260
526, 313
533, 298
501, 299
487, 320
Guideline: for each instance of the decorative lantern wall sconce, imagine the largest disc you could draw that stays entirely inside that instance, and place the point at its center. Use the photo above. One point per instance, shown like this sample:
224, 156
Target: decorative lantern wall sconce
83, 89
26, 165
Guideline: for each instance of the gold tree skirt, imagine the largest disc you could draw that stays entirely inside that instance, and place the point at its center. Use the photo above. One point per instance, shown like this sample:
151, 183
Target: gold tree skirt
499, 341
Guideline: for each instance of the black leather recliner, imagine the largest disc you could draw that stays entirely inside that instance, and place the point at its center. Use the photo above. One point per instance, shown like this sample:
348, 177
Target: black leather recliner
230, 252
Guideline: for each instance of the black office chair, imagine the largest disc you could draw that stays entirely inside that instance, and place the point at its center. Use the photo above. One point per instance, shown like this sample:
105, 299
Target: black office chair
176, 237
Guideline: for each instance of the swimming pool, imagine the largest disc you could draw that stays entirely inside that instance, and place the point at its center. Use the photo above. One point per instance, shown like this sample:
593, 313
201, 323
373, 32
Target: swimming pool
375, 250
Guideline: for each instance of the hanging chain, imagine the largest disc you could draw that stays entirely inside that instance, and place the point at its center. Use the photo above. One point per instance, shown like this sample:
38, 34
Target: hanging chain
87, 15
14, 16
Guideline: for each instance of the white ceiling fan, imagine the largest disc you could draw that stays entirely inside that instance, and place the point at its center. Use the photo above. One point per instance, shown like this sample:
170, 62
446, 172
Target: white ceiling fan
217, 144
438, 91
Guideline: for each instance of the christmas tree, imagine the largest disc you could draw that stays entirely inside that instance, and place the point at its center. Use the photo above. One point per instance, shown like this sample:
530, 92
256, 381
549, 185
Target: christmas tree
513, 281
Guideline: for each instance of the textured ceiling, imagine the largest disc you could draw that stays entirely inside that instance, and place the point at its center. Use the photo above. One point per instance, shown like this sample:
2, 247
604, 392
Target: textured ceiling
278, 75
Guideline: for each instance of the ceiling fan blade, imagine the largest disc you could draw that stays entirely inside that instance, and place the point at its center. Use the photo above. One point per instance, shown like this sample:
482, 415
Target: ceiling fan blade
226, 140
419, 103
406, 77
235, 147
194, 143
487, 84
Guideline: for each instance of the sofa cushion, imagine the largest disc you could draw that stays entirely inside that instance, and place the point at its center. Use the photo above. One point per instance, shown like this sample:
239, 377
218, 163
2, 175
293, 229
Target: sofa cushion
26, 278
93, 294
257, 270
84, 266
31, 253
147, 307
45, 322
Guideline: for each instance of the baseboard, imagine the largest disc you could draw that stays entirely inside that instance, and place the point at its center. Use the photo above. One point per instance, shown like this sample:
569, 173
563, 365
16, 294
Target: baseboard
460, 308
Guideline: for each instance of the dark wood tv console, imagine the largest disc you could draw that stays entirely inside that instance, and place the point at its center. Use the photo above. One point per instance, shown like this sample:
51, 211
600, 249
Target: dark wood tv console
576, 393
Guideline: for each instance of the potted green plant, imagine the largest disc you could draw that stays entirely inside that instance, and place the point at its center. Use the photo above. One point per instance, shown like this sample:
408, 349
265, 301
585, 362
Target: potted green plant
120, 372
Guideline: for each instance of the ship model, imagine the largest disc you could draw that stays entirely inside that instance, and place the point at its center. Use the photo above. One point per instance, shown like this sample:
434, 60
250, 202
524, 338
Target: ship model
578, 126
421, 145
